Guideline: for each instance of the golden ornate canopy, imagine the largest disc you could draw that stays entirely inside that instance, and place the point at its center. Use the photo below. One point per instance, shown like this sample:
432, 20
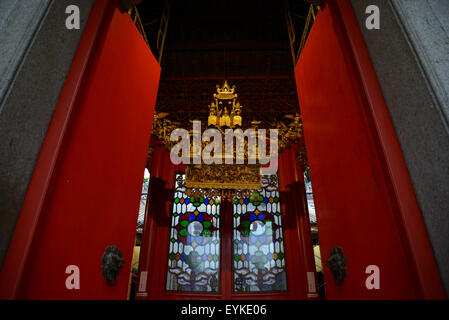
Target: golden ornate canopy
225, 112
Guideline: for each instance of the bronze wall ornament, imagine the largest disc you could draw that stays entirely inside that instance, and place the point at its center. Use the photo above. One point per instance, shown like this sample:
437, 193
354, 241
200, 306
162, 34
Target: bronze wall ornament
337, 264
111, 263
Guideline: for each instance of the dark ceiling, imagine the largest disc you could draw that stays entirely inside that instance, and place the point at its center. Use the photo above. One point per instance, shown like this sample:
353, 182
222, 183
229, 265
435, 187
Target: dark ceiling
245, 42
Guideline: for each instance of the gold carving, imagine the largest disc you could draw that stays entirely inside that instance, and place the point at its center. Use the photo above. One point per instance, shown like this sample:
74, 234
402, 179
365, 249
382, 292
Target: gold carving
163, 127
289, 128
225, 92
228, 179
224, 176
218, 109
151, 149
289, 131
302, 156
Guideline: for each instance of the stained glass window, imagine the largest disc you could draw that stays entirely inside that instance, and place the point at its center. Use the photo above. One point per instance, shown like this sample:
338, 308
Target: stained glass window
194, 250
258, 248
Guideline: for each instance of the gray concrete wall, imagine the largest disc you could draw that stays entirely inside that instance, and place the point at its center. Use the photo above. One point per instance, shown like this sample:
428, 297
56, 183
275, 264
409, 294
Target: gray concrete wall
411, 60
18, 22
36, 52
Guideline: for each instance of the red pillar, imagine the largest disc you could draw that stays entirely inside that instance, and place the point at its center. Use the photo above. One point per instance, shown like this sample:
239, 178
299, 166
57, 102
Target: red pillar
293, 197
161, 178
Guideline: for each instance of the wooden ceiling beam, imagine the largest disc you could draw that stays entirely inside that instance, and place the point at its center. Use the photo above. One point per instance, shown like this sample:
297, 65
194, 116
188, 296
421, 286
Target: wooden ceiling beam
229, 45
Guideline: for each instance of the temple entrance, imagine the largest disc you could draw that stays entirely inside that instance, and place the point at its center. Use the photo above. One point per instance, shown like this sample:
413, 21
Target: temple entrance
82, 203
231, 230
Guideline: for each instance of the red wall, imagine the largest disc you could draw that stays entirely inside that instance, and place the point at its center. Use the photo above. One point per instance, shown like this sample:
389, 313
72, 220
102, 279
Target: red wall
93, 198
363, 196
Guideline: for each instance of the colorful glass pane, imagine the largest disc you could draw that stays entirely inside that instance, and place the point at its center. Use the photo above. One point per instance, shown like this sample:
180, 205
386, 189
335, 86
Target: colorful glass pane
194, 250
259, 263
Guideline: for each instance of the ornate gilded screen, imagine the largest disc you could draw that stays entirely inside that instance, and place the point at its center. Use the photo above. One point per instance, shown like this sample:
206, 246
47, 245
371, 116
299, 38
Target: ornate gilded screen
258, 248
194, 249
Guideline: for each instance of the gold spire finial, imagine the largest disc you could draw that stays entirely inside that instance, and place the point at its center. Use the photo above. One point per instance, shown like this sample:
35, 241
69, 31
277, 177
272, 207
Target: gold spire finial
225, 92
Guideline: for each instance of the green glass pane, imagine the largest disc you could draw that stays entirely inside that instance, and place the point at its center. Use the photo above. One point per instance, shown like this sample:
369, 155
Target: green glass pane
184, 223
206, 233
245, 223
207, 224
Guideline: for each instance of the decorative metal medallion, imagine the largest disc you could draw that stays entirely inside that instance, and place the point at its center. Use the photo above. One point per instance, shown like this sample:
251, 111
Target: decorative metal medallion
111, 263
337, 264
